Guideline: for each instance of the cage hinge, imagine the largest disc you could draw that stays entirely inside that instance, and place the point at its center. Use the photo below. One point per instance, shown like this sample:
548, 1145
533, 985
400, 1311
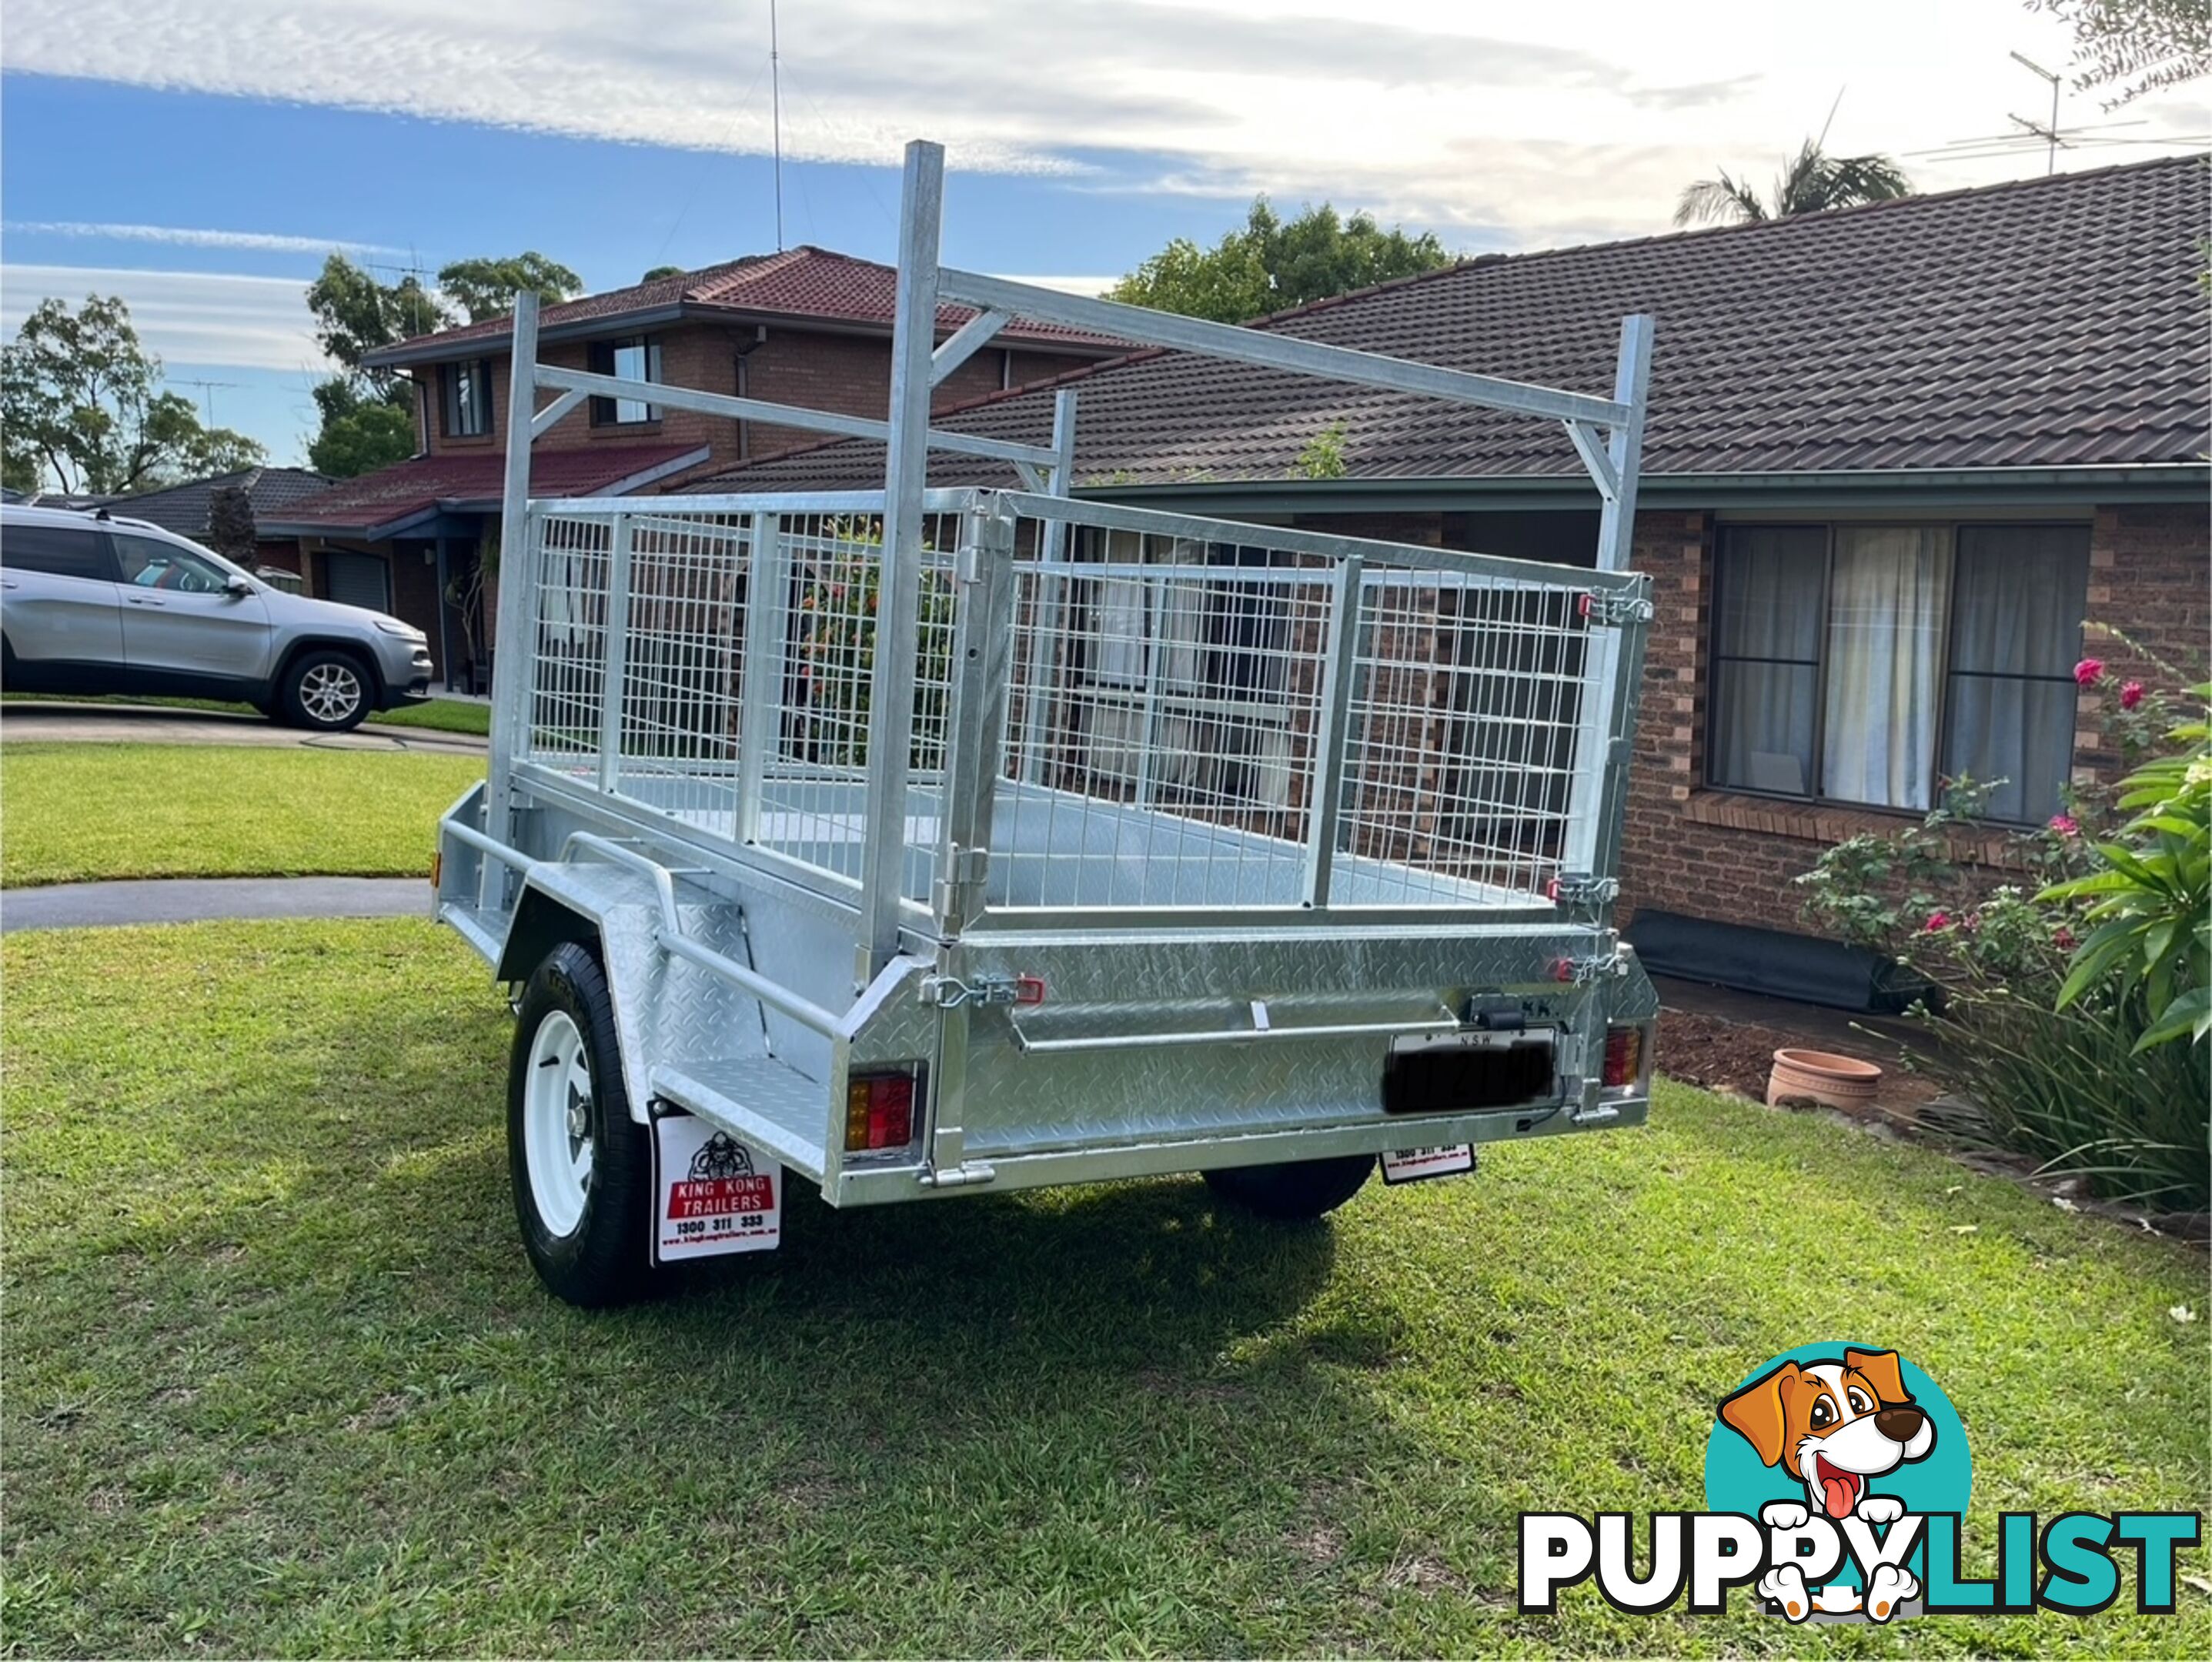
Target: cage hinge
1613, 610
1580, 889
950, 992
960, 881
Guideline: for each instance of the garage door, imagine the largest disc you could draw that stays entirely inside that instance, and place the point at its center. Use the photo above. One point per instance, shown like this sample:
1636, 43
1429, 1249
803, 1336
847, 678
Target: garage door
357, 580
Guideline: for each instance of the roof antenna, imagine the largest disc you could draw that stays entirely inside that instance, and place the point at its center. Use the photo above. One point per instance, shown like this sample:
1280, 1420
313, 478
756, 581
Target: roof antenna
775, 102
1821, 142
2050, 135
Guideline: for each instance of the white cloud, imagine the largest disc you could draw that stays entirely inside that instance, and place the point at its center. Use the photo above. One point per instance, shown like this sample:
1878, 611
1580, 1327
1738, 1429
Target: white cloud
191, 236
1492, 121
187, 317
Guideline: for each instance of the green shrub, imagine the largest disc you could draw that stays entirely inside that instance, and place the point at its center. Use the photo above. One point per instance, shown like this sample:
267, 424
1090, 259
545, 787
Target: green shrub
2149, 897
2071, 1021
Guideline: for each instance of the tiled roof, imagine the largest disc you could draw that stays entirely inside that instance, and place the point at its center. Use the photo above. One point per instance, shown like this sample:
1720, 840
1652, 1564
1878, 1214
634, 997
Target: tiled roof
381, 503
2052, 322
801, 283
272, 491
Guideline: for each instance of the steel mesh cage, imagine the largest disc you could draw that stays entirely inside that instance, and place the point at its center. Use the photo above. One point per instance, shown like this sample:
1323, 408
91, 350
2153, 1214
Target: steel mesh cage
1195, 714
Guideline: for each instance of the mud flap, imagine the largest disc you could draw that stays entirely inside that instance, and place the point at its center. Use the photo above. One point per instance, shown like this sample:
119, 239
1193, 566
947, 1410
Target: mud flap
712, 1194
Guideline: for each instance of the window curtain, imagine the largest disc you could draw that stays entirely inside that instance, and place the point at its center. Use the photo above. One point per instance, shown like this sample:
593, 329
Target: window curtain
1886, 621
2016, 634
1765, 658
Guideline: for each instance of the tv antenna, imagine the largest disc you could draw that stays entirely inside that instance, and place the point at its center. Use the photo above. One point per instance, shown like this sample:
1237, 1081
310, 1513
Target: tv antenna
775, 119
206, 392
2048, 133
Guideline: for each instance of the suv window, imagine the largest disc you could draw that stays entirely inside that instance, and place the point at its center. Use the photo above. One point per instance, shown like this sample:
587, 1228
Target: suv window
58, 550
148, 564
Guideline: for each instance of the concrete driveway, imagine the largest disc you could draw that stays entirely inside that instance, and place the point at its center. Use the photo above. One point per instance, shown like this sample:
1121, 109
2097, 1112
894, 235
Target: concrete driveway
140, 723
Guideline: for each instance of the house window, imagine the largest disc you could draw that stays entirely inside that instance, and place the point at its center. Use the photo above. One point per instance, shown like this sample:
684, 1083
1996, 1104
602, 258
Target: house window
464, 391
636, 358
1860, 663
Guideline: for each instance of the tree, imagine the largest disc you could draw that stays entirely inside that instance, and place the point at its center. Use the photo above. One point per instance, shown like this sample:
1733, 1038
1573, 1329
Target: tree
1267, 265
660, 271
485, 288
231, 531
354, 314
1811, 184
369, 414
363, 430
82, 402
2141, 46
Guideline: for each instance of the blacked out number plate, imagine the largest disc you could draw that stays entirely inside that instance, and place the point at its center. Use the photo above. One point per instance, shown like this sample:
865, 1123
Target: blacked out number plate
1463, 1072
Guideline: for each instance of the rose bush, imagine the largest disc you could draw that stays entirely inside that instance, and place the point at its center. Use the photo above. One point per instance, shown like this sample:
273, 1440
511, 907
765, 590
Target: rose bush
2067, 1014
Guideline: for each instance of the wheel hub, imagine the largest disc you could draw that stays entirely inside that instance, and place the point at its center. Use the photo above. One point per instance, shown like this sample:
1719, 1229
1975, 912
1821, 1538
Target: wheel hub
556, 1132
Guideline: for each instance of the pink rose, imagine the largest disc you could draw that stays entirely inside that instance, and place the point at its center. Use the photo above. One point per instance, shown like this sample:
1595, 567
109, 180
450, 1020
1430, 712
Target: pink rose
2131, 693
2087, 672
1938, 919
2066, 825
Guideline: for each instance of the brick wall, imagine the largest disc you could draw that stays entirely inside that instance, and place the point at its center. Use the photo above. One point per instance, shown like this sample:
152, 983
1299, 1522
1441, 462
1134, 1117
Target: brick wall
812, 369
2148, 577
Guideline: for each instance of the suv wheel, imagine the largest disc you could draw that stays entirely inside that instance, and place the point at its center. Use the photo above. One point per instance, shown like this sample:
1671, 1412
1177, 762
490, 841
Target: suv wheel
326, 691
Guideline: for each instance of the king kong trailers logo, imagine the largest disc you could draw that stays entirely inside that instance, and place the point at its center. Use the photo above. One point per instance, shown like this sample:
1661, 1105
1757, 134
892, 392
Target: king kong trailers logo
1836, 1478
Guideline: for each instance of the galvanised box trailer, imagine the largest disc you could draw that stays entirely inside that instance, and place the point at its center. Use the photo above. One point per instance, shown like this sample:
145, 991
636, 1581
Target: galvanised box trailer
926, 843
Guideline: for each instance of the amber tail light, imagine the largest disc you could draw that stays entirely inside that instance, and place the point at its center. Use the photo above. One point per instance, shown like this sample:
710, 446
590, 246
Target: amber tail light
878, 1111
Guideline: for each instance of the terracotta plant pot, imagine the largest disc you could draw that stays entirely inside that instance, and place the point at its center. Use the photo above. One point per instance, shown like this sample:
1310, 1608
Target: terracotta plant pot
1841, 1081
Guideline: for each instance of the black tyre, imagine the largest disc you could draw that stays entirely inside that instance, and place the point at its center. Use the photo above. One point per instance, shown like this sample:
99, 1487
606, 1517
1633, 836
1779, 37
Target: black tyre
1297, 1193
581, 1168
327, 692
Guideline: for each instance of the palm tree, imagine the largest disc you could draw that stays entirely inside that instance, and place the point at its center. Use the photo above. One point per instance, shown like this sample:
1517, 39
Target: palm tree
1812, 183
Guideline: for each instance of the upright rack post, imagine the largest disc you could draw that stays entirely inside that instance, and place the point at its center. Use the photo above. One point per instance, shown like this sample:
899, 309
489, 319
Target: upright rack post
512, 657
891, 708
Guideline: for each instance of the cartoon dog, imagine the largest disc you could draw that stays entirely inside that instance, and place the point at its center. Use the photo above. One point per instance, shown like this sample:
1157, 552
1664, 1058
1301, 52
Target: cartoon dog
1832, 1425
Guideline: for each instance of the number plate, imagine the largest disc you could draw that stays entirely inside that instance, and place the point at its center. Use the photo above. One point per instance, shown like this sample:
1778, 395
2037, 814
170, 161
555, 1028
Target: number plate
712, 1194
1412, 1165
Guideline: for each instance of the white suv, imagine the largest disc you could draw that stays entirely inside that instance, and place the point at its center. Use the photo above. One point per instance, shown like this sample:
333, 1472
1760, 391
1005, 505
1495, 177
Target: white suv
90, 603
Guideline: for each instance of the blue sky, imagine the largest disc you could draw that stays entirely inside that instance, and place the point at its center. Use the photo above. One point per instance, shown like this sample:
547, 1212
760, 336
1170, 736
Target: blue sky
198, 157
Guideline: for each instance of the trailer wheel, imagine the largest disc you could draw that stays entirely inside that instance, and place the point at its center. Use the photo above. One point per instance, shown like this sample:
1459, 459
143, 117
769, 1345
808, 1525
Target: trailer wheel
1298, 1191
580, 1168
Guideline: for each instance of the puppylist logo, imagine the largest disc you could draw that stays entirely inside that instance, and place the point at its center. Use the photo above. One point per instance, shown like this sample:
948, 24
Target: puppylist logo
1835, 1479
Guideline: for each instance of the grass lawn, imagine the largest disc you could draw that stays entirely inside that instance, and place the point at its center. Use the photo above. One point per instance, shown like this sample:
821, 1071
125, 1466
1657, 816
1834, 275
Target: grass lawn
443, 715
279, 1379
73, 812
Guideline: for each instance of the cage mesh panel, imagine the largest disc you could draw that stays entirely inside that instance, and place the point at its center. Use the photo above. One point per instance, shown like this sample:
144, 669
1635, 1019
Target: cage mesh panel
1166, 716
1181, 680
683, 667
1185, 680
569, 672
1460, 737
814, 787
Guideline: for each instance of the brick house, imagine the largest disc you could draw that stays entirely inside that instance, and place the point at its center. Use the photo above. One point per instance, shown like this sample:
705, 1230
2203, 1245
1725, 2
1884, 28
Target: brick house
806, 327
1898, 458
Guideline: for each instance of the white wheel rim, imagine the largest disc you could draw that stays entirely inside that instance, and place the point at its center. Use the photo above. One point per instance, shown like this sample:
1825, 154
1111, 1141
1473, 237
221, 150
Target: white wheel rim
329, 692
556, 1124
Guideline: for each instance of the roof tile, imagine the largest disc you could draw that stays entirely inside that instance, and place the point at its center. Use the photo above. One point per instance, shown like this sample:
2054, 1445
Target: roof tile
2048, 322
801, 283
410, 489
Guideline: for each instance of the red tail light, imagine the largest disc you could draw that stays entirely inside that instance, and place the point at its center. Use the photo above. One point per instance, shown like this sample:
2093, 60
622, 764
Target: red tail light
878, 1111
1623, 1056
